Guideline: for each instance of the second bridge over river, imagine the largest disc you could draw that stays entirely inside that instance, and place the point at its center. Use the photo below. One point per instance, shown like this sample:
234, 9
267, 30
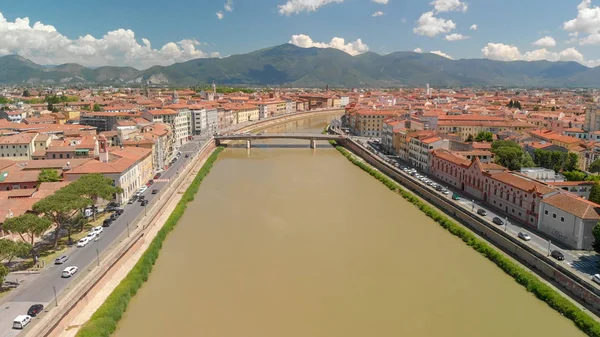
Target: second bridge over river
312, 137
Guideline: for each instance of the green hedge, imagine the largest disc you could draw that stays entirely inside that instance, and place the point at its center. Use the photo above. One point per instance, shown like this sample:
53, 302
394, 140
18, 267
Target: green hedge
528, 280
104, 321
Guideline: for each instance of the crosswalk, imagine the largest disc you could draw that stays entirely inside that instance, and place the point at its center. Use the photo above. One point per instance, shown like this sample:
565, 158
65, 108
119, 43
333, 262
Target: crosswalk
163, 180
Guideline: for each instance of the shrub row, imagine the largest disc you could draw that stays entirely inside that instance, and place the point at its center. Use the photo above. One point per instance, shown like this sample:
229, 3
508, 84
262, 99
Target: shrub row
104, 321
528, 280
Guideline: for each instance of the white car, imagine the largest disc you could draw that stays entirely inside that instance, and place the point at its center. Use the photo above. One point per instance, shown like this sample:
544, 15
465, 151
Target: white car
524, 236
143, 189
98, 230
91, 235
84, 241
596, 278
69, 271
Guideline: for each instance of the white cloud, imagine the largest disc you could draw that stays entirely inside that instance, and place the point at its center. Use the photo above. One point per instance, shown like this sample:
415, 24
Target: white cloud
43, 44
298, 6
593, 63
431, 26
378, 13
352, 48
437, 52
418, 50
473, 27
503, 52
228, 6
586, 22
545, 42
220, 15
381, 2
449, 6
456, 37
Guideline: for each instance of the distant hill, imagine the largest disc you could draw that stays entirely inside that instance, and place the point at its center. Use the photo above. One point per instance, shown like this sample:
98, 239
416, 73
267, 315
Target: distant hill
289, 65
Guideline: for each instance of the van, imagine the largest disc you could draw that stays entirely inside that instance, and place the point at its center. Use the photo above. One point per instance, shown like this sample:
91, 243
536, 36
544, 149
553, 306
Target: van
21, 321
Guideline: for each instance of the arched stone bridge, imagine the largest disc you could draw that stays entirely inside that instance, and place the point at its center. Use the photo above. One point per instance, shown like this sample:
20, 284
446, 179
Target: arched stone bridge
313, 137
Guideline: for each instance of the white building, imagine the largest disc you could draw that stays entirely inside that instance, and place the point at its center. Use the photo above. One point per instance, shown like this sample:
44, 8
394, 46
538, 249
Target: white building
419, 151
344, 100
179, 121
569, 220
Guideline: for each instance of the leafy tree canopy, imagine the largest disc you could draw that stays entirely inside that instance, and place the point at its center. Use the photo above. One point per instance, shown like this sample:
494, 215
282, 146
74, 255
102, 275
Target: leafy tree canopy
48, 175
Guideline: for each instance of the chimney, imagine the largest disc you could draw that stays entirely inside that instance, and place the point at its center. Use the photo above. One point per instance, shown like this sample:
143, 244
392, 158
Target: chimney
103, 149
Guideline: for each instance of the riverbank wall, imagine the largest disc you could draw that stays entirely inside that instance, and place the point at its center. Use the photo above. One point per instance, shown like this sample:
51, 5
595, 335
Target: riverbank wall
542, 265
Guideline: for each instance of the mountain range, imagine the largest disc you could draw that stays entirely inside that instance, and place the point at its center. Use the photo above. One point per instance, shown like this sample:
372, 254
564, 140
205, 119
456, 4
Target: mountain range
289, 65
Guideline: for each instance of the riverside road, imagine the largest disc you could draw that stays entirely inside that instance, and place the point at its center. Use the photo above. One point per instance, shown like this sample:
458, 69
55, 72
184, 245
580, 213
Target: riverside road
39, 288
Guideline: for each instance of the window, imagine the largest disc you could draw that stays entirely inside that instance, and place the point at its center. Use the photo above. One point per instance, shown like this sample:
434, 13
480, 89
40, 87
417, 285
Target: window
554, 215
562, 219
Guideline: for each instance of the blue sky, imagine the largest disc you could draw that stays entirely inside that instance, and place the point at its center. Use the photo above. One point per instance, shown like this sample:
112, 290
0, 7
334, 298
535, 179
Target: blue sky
179, 30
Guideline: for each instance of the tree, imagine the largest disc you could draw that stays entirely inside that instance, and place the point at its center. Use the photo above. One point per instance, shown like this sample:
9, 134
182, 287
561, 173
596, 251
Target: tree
510, 155
572, 162
595, 193
10, 249
95, 186
96, 107
575, 175
511, 104
484, 136
61, 207
29, 227
50, 107
49, 176
553, 108
3, 273
518, 105
469, 139
26, 93
527, 161
594, 166
596, 233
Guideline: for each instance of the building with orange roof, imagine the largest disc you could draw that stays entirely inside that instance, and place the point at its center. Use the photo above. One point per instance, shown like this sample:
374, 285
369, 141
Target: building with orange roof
419, 149
569, 220
17, 147
369, 122
129, 168
178, 119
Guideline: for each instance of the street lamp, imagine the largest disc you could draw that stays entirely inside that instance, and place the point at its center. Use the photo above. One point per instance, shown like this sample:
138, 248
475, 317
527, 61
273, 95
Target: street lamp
127, 228
98, 257
473, 205
549, 244
55, 298
505, 223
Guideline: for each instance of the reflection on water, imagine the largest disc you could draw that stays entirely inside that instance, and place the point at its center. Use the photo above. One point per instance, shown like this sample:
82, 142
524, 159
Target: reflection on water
296, 242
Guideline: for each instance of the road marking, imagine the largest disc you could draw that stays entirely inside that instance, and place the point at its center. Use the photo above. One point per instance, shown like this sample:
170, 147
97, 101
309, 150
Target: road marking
164, 180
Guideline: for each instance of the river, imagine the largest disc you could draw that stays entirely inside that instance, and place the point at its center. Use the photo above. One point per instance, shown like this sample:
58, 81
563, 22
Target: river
286, 241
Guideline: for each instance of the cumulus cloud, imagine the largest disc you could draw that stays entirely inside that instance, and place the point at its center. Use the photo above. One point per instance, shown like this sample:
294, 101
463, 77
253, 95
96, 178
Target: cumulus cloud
381, 2
586, 22
456, 37
298, 6
545, 42
449, 6
378, 13
437, 52
431, 26
473, 27
503, 52
352, 48
43, 44
220, 15
418, 50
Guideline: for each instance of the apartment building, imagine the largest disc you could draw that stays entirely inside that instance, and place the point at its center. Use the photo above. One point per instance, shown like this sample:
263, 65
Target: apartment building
178, 120
419, 148
17, 147
369, 122
471, 125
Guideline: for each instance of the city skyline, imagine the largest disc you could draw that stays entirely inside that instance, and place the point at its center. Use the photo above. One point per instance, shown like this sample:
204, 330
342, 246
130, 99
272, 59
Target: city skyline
143, 34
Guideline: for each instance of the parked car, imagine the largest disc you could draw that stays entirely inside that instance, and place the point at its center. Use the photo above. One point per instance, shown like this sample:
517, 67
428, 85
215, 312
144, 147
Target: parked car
156, 176
35, 309
98, 229
143, 189
114, 216
92, 235
69, 271
557, 255
187, 155
455, 196
524, 236
61, 260
144, 203
498, 221
119, 211
142, 198
131, 200
83, 242
596, 278
439, 188
150, 182
21, 321
107, 222
482, 212
154, 191
445, 192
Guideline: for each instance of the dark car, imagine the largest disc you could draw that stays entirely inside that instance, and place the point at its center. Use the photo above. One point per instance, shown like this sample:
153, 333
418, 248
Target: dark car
119, 211
154, 191
131, 201
455, 196
114, 216
142, 198
156, 176
144, 203
187, 155
35, 310
107, 222
498, 221
557, 255
482, 212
